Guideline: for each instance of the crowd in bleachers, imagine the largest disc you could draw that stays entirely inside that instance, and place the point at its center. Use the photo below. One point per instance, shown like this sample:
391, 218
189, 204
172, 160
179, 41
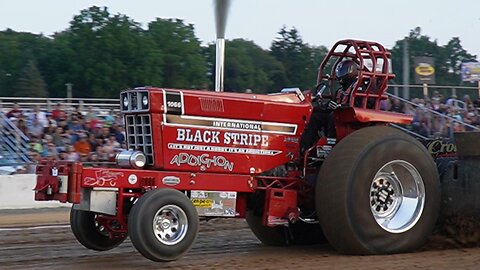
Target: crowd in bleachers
70, 135
440, 122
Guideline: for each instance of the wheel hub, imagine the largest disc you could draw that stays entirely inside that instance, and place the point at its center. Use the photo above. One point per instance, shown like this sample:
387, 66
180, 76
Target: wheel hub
170, 224
382, 196
164, 224
397, 196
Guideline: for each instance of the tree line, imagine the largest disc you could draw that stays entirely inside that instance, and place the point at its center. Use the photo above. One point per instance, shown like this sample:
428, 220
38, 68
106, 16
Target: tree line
102, 53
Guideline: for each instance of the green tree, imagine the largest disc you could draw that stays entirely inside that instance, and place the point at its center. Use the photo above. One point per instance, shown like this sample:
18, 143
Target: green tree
183, 63
16, 50
247, 66
299, 59
30, 82
102, 54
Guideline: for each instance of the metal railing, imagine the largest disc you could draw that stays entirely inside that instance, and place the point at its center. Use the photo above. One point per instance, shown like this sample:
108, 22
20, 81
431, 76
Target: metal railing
418, 90
13, 141
27, 103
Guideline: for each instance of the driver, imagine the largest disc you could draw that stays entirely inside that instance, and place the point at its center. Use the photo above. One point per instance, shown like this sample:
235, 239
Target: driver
322, 118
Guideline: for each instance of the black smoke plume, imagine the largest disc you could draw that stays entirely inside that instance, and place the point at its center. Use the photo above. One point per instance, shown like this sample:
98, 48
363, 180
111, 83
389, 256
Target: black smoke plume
221, 12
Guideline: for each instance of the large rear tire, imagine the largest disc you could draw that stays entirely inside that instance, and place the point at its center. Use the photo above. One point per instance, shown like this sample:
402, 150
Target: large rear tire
163, 224
378, 192
90, 233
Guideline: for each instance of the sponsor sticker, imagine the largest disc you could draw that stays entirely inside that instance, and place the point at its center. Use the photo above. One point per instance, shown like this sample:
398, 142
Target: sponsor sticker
203, 161
171, 180
103, 178
214, 203
132, 179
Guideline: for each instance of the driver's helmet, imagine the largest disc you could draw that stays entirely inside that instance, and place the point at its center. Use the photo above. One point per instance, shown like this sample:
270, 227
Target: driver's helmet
346, 72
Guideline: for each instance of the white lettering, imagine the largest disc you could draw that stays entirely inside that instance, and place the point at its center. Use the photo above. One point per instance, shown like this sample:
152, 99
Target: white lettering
243, 139
264, 140
180, 135
206, 136
229, 138
203, 161
175, 104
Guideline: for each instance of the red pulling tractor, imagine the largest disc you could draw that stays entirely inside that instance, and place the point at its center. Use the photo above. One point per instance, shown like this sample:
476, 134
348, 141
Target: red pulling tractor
236, 155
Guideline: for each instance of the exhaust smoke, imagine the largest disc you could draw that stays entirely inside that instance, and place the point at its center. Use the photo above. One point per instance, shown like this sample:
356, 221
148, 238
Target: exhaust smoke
221, 12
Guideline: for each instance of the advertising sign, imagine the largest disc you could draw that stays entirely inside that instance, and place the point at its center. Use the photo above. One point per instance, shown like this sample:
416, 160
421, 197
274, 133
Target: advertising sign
470, 72
424, 70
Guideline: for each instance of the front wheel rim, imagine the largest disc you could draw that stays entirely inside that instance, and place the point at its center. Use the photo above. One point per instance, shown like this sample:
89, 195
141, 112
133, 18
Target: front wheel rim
397, 196
170, 224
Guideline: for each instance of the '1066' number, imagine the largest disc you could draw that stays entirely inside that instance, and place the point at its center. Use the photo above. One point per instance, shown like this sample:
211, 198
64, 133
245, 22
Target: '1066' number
174, 104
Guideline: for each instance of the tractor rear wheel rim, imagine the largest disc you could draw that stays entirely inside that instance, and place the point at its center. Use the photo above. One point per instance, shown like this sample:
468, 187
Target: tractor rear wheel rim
397, 196
170, 224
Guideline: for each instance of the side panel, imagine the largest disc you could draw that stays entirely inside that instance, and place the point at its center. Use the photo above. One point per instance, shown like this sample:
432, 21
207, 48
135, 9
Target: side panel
202, 133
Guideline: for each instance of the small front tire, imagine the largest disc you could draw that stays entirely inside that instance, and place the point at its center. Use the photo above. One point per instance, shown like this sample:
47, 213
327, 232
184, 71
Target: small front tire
163, 224
90, 233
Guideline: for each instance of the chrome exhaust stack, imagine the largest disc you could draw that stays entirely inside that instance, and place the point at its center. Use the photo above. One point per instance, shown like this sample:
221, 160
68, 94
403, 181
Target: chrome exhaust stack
220, 60
221, 11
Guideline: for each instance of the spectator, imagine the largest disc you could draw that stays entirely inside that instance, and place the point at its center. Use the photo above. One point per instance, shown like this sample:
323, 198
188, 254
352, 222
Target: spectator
92, 140
74, 128
71, 155
114, 142
15, 112
51, 125
93, 158
468, 102
118, 119
452, 101
22, 125
119, 134
35, 158
396, 106
90, 115
50, 151
109, 118
58, 114
62, 155
104, 133
39, 115
77, 114
58, 138
36, 128
35, 145
82, 146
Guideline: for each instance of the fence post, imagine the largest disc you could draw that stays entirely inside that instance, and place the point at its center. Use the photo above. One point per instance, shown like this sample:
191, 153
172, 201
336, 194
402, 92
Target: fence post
425, 90
69, 92
478, 89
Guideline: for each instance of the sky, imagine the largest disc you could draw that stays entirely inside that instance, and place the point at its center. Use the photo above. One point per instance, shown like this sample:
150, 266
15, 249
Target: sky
319, 22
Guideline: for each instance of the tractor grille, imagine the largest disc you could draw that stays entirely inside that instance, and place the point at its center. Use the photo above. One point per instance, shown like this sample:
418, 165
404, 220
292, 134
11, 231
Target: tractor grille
139, 134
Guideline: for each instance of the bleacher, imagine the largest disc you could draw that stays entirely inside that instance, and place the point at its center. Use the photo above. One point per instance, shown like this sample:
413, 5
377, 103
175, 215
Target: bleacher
13, 143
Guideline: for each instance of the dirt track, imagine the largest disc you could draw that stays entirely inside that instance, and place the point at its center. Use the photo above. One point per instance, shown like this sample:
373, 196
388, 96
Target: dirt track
221, 244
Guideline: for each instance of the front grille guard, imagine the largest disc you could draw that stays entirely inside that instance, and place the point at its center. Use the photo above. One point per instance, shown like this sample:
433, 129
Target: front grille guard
139, 135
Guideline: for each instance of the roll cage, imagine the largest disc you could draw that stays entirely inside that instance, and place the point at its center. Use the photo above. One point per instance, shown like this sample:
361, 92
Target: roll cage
374, 71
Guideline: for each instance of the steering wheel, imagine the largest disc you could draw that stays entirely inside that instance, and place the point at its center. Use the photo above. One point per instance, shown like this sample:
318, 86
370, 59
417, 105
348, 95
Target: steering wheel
322, 90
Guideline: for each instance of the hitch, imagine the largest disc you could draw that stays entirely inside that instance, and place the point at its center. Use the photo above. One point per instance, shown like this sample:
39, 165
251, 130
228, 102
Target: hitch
281, 207
58, 181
